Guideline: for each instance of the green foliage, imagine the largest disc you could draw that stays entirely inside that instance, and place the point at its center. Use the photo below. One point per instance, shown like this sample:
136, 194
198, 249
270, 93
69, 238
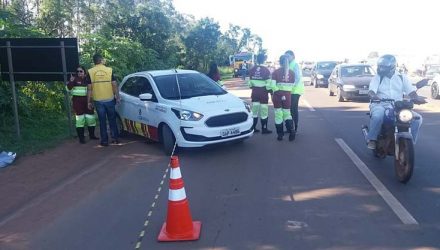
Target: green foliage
38, 133
122, 54
226, 72
11, 27
201, 43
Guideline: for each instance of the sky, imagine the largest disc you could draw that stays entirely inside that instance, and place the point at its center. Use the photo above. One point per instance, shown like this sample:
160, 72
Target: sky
330, 29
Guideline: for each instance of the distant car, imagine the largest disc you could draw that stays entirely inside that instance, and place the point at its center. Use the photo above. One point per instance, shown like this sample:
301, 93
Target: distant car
182, 106
307, 65
435, 83
350, 81
306, 73
321, 72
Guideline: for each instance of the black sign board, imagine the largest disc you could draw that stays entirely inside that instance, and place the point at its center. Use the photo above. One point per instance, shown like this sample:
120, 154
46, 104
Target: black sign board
38, 59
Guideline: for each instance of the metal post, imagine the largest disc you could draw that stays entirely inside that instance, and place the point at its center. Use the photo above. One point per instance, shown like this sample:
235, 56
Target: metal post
14, 95
66, 96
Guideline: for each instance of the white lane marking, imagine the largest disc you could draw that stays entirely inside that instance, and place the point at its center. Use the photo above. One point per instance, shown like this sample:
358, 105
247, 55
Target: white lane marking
307, 104
395, 205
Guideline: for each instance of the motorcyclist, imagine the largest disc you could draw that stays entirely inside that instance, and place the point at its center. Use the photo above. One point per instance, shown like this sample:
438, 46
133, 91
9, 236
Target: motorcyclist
389, 84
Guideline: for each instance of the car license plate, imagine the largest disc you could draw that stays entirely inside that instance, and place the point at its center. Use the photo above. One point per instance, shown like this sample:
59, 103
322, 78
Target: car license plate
229, 132
363, 91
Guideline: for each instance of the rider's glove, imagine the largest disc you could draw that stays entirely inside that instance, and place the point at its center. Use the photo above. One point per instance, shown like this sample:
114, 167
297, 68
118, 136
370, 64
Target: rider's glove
419, 100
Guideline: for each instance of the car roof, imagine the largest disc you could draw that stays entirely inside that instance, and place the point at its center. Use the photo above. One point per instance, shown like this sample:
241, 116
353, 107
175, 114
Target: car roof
165, 72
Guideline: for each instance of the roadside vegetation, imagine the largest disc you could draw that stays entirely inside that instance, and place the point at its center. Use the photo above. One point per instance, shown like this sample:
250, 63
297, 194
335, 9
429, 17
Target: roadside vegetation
132, 35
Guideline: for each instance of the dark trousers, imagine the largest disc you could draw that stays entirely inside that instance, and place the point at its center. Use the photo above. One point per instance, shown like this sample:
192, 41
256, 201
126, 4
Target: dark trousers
294, 109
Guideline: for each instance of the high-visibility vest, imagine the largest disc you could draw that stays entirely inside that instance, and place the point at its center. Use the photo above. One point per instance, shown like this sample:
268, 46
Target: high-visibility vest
298, 88
101, 78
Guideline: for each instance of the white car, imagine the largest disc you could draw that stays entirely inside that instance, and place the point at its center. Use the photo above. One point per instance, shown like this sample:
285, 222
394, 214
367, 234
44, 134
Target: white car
182, 106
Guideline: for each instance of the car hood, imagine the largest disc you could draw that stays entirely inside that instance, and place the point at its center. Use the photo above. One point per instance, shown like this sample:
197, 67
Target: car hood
363, 80
212, 102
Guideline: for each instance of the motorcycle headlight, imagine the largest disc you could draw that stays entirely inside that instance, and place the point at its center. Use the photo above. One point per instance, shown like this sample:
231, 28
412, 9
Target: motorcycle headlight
247, 106
187, 115
405, 115
319, 76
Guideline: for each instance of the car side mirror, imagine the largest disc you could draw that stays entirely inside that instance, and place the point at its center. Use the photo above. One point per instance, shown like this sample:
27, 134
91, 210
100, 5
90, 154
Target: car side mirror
146, 97
422, 83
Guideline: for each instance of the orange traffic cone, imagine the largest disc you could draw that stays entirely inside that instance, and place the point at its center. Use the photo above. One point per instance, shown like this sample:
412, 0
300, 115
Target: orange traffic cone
179, 225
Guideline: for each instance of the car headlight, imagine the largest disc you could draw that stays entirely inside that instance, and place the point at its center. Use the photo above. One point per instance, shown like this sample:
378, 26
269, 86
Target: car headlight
348, 87
405, 115
319, 76
187, 115
247, 106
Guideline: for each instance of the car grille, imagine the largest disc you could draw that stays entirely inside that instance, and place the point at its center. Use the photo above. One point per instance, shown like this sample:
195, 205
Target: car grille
226, 120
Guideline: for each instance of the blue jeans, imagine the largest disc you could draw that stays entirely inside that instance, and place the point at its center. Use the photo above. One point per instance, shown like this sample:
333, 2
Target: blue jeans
377, 116
106, 110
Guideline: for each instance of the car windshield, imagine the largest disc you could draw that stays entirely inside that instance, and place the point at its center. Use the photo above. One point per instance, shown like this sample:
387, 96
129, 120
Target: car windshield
351, 71
191, 85
326, 65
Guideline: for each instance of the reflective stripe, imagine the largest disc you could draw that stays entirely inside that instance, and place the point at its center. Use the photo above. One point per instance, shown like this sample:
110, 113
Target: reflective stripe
175, 173
285, 84
177, 194
258, 83
79, 91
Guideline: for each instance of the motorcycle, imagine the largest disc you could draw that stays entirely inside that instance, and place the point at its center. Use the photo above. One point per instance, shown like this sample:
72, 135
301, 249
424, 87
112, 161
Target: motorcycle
395, 138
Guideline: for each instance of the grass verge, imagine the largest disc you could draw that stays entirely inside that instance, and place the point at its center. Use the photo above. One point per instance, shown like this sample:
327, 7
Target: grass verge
37, 134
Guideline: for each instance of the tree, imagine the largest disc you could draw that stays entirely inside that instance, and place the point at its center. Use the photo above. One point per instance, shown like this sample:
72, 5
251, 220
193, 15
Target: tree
201, 43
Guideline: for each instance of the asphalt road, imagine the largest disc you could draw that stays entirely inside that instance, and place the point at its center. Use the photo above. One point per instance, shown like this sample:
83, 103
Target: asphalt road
325, 190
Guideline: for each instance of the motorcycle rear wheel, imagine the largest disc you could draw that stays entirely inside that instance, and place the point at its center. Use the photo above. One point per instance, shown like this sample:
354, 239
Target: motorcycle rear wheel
404, 164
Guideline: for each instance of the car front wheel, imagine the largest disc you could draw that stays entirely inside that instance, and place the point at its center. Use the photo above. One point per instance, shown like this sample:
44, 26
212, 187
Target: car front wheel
168, 140
339, 95
435, 91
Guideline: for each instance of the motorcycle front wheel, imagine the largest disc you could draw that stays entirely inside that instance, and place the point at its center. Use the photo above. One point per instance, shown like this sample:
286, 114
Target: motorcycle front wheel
404, 164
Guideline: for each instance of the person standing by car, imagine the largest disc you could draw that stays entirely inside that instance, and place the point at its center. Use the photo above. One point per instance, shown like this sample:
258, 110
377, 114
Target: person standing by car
103, 91
298, 88
389, 84
283, 80
214, 73
78, 88
260, 84
244, 70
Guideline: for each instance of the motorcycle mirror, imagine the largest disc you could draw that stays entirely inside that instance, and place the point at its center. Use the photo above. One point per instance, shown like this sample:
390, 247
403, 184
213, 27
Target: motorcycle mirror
422, 83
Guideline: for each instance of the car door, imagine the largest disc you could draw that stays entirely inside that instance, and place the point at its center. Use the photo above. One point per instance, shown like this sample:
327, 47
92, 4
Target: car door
148, 117
128, 105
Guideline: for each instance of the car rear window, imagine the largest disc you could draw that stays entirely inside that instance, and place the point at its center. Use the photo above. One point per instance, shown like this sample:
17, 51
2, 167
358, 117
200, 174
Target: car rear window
326, 65
356, 71
191, 85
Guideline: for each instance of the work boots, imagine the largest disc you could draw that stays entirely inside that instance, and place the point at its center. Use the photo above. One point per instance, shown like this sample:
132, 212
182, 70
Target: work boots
254, 125
289, 127
80, 132
92, 133
280, 132
264, 127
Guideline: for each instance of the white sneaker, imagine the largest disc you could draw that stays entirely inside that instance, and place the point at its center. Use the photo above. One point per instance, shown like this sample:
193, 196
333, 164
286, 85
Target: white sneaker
371, 144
